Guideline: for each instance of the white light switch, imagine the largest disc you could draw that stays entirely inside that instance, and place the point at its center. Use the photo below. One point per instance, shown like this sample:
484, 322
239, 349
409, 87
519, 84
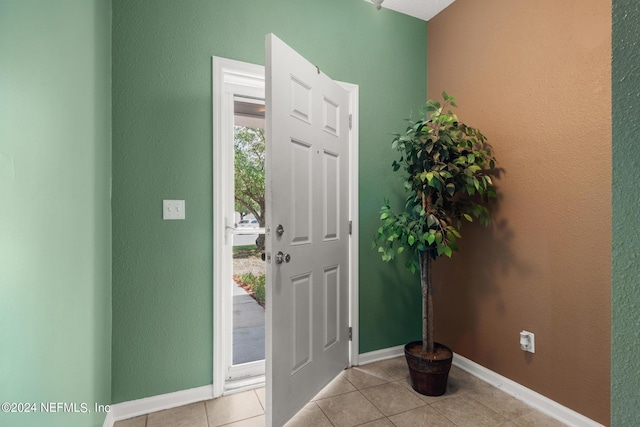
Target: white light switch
173, 209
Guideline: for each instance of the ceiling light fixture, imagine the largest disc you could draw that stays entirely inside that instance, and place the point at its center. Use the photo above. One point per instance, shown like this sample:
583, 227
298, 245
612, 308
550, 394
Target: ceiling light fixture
378, 3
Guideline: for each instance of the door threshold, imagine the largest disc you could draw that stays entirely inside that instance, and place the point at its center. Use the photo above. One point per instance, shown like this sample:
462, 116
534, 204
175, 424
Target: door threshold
244, 384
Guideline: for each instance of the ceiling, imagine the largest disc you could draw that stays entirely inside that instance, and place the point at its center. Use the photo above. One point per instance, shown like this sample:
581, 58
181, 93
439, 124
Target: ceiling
422, 9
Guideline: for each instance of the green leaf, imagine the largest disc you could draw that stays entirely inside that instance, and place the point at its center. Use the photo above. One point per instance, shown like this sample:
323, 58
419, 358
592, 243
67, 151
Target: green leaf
400, 249
468, 217
431, 238
384, 215
447, 251
411, 240
451, 188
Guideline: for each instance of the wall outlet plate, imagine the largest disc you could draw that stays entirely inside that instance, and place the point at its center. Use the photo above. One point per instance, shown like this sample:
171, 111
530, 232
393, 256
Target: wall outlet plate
173, 209
528, 341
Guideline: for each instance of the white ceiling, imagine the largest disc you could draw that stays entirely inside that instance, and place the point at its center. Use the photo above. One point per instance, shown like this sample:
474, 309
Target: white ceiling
422, 9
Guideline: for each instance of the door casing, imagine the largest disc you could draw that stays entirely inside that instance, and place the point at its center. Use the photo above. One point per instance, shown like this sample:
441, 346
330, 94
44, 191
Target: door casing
231, 77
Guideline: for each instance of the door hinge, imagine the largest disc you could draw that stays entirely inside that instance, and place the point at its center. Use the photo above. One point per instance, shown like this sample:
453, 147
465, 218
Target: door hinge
350, 227
350, 333
350, 121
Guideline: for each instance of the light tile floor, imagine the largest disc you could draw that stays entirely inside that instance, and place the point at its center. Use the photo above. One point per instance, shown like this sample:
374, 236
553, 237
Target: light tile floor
374, 395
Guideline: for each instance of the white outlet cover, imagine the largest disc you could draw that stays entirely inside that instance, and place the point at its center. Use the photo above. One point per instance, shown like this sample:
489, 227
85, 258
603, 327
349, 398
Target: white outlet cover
173, 209
529, 341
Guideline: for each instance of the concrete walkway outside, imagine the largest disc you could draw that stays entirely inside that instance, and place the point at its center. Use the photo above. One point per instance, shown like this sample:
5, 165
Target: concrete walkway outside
248, 327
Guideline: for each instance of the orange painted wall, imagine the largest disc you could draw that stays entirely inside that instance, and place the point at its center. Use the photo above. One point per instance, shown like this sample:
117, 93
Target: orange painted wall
535, 77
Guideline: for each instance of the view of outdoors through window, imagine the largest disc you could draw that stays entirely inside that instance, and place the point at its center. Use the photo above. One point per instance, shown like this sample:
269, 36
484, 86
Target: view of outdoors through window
248, 245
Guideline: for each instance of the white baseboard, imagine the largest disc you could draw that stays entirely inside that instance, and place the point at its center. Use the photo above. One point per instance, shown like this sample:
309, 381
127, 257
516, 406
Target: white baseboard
109, 421
384, 354
238, 386
134, 408
520, 392
528, 396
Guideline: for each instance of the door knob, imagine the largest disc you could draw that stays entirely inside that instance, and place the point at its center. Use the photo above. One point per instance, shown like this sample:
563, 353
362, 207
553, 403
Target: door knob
281, 257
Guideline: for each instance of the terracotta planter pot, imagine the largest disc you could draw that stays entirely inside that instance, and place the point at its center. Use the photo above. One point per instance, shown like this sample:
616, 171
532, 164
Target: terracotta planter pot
428, 376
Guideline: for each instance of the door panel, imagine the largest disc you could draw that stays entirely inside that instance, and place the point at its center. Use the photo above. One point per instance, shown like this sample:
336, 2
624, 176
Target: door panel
307, 194
301, 332
331, 306
331, 192
300, 192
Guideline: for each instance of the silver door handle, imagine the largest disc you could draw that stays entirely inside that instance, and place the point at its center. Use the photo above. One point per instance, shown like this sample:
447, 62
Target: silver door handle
281, 257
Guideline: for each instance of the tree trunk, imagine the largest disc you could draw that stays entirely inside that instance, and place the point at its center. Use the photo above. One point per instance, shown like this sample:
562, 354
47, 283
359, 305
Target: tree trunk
260, 242
427, 303
425, 281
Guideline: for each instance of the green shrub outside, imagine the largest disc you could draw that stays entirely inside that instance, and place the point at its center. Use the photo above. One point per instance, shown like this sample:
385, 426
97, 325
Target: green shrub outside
256, 284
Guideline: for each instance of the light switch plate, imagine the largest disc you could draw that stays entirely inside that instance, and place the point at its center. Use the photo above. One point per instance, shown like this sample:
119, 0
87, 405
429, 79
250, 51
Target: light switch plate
173, 209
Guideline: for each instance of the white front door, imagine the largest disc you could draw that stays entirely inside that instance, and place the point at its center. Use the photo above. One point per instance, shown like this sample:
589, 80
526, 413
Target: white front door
307, 205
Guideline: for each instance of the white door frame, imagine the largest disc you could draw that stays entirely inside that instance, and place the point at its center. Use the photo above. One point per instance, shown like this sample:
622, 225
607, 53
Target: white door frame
231, 78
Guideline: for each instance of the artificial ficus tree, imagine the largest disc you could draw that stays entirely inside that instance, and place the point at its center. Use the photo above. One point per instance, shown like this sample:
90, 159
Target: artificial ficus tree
446, 167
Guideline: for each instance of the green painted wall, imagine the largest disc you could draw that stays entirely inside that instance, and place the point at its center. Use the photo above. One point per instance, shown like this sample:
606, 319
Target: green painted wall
625, 335
162, 132
55, 221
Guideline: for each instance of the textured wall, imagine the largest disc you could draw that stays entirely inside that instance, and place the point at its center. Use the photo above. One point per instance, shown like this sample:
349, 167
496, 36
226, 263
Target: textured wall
535, 77
625, 363
55, 220
162, 132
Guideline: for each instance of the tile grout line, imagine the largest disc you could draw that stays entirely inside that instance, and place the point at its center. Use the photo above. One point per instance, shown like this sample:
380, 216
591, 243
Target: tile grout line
237, 421
373, 404
323, 413
264, 410
206, 413
369, 400
470, 396
490, 408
